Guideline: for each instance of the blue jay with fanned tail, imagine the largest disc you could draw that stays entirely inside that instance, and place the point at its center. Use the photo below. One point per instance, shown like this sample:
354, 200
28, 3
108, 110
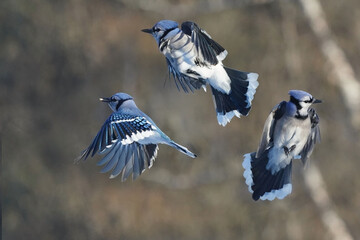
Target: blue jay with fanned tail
290, 132
128, 139
195, 59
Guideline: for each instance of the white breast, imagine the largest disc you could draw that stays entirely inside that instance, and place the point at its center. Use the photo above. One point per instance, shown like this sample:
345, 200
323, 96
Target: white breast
289, 131
182, 54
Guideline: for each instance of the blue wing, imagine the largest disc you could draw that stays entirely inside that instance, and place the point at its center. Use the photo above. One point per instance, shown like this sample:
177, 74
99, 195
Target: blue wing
123, 127
131, 158
118, 139
267, 136
210, 52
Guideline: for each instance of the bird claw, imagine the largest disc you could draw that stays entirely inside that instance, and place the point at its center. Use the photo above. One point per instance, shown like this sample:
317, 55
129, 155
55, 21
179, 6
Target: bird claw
289, 150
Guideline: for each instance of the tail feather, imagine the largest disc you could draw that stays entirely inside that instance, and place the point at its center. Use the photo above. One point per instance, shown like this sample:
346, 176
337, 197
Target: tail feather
242, 84
225, 108
238, 101
182, 149
261, 182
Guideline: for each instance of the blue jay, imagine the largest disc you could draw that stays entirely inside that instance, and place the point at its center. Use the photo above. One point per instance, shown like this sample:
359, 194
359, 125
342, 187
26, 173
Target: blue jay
195, 59
128, 139
290, 132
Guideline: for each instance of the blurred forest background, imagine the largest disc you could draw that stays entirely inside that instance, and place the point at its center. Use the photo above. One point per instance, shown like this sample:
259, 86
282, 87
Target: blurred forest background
58, 57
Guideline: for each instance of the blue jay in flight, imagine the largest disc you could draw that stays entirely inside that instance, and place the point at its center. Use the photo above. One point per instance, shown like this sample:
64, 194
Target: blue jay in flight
128, 139
290, 132
195, 59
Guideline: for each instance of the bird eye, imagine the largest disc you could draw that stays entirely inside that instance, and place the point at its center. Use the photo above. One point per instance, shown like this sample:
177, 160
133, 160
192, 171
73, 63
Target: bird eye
156, 29
112, 99
308, 101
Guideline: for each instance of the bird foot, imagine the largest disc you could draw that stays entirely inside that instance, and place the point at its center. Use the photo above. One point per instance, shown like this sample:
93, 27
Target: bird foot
289, 150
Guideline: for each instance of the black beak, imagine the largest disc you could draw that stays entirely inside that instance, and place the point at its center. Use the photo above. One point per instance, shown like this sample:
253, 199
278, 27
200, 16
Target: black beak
317, 101
150, 31
105, 100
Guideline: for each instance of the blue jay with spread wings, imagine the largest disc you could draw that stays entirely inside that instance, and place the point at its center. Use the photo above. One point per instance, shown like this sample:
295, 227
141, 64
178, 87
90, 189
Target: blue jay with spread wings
128, 140
290, 132
195, 59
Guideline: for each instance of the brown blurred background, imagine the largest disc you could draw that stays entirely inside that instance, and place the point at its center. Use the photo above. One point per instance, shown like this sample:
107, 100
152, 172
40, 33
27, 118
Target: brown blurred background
58, 57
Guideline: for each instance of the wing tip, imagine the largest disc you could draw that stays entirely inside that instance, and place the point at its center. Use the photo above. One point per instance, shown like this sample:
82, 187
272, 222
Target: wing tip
83, 156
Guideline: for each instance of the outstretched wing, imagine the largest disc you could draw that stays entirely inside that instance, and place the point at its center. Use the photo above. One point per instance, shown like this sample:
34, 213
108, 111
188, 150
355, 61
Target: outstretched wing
267, 136
119, 139
131, 158
186, 82
209, 51
313, 138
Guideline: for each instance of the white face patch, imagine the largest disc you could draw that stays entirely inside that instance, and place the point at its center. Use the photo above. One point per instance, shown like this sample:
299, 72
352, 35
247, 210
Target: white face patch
304, 108
305, 104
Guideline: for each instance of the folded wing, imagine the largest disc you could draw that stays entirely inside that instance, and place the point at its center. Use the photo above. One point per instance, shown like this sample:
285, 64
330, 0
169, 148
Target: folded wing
267, 136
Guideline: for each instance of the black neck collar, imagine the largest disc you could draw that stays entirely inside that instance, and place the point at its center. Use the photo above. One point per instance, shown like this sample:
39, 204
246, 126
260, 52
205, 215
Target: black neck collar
296, 102
166, 33
120, 102
298, 116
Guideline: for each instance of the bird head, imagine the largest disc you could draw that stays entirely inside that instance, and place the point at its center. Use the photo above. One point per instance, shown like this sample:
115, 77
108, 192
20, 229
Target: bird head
116, 100
302, 99
161, 28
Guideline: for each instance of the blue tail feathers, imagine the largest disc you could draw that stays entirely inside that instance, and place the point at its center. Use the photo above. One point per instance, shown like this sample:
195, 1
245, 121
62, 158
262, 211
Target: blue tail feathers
182, 149
238, 101
261, 182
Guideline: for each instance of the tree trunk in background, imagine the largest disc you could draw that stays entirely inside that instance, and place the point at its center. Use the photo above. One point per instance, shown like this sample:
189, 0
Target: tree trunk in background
332, 221
345, 76
313, 179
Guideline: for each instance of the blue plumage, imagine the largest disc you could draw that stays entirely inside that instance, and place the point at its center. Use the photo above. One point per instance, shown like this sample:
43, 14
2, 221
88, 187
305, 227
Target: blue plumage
290, 132
194, 59
128, 139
